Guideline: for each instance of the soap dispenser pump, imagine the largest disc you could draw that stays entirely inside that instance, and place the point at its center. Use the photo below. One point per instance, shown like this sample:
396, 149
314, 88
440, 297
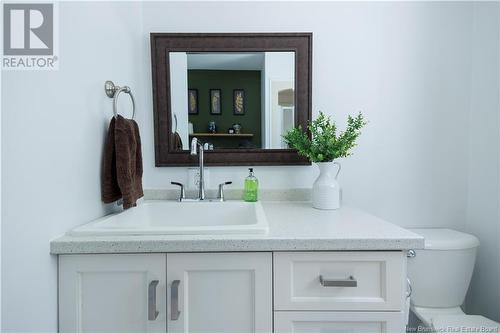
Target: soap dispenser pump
251, 187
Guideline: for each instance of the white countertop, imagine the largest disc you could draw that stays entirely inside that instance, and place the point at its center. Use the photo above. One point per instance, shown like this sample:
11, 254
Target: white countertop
293, 226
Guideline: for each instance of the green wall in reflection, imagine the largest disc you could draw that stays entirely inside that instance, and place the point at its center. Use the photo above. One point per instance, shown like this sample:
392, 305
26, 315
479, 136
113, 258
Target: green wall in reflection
227, 81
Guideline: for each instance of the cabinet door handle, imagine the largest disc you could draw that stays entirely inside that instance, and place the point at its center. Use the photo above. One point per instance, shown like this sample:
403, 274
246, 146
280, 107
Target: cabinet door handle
174, 300
350, 282
152, 312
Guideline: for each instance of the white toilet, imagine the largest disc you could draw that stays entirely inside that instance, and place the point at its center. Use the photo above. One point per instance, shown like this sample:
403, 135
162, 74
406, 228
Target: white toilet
440, 276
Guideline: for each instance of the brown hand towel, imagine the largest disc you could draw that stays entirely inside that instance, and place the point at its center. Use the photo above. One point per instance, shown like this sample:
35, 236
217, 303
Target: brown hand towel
122, 163
176, 141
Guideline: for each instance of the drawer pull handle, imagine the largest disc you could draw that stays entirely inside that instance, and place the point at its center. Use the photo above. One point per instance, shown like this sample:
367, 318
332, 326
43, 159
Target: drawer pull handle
350, 282
152, 313
174, 302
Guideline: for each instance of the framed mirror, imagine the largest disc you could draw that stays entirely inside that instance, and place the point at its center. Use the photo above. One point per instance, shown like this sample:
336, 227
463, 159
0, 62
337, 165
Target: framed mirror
237, 93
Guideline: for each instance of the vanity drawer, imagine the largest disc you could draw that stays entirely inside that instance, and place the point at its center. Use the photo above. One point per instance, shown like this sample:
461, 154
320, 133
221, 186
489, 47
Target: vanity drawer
353, 322
351, 281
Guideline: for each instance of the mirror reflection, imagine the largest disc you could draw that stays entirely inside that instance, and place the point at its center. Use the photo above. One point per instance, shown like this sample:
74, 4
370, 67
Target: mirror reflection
232, 100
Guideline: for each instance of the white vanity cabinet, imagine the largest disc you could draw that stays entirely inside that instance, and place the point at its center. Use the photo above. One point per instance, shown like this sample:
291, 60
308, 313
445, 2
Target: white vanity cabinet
220, 292
352, 322
237, 292
112, 293
358, 292
184, 292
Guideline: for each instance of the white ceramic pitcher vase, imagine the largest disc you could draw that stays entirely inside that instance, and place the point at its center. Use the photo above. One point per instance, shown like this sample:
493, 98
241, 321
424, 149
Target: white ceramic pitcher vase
326, 191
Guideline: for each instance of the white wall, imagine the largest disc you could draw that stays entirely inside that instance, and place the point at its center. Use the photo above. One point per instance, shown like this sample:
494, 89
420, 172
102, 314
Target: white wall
405, 65
53, 131
483, 211
1, 187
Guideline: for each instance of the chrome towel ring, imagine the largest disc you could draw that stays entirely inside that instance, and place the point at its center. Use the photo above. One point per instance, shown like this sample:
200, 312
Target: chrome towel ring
113, 91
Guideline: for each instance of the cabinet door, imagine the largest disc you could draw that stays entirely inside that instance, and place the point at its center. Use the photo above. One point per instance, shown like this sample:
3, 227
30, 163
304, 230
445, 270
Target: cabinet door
112, 293
353, 322
219, 292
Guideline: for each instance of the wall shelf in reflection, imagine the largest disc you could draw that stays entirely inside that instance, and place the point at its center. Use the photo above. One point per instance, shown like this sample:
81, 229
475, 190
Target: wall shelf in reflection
225, 135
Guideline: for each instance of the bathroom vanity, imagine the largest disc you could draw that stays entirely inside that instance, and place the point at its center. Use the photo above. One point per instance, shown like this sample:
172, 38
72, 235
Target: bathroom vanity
168, 266
312, 271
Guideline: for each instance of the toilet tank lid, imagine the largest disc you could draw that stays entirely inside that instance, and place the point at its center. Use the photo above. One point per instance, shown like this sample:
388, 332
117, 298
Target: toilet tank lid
446, 239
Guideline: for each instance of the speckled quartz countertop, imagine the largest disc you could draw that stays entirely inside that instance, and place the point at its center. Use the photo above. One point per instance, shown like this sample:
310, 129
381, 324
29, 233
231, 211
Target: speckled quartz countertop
293, 226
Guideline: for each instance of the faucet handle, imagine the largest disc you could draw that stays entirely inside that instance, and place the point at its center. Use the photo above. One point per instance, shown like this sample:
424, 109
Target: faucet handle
183, 193
221, 190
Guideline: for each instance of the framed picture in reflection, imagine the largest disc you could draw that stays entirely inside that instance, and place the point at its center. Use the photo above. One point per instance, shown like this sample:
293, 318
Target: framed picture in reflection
239, 102
192, 101
215, 101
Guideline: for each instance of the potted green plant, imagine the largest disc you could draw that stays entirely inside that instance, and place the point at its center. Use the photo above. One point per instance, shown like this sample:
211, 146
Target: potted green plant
323, 148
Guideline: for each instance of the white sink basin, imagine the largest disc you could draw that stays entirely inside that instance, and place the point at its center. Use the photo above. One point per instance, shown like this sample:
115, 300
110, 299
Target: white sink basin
168, 217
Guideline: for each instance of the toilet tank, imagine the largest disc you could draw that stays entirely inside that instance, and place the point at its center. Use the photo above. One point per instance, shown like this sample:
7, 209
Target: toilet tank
440, 274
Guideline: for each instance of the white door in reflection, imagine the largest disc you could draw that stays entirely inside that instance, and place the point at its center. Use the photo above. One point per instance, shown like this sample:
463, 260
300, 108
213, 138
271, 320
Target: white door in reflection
282, 115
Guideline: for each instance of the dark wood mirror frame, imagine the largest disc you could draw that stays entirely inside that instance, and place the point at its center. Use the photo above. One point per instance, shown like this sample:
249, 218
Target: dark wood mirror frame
164, 43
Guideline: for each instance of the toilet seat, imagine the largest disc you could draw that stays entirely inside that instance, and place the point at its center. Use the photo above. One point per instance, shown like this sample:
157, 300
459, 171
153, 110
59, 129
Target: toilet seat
441, 320
426, 315
443, 323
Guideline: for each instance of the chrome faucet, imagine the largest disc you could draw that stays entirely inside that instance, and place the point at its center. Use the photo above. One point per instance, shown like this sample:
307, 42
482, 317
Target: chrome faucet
197, 149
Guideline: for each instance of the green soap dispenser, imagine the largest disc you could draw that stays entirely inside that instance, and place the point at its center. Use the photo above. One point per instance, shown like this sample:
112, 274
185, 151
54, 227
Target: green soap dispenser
251, 187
